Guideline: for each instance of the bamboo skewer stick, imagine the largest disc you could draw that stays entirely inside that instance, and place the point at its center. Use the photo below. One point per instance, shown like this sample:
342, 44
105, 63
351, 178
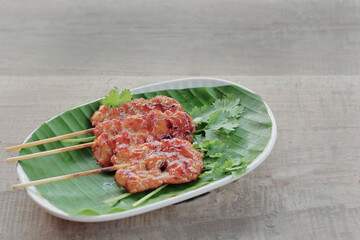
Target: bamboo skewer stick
45, 153
70, 176
48, 140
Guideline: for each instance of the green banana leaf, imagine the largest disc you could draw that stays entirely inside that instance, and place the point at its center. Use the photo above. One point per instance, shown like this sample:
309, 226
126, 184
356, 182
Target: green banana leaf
84, 196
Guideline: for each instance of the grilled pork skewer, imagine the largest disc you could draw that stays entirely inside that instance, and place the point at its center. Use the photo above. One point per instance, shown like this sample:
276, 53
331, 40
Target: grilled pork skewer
134, 107
146, 141
136, 129
156, 163
69, 176
146, 166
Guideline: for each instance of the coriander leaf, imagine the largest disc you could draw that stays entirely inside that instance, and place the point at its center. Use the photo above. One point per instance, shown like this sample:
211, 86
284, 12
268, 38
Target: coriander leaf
217, 134
215, 124
198, 142
204, 174
200, 127
237, 111
237, 172
230, 104
214, 148
209, 163
236, 160
226, 103
218, 171
217, 120
229, 125
125, 96
228, 163
222, 120
201, 114
114, 99
219, 126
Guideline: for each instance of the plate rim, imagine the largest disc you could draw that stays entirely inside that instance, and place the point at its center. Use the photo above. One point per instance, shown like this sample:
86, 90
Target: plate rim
194, 82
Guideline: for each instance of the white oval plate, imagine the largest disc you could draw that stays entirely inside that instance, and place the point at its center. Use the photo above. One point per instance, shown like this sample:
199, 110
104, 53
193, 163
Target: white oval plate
174, 84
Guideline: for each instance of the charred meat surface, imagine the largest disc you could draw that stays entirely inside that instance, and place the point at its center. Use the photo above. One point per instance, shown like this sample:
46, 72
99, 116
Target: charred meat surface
155, 163
136, 106
138, 129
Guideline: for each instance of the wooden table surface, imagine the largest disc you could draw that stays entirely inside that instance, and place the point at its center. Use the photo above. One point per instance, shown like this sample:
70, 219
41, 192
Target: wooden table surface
303, 57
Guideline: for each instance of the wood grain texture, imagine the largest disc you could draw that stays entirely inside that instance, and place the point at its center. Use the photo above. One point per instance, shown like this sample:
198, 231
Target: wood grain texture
308, 188
55, 55
203, 37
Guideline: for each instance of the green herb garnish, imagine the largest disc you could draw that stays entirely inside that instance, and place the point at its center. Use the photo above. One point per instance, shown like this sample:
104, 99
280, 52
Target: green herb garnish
114, 99
215, 124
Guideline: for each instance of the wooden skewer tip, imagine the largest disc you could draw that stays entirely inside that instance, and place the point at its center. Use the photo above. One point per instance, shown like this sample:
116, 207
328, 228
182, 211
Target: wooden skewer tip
48, 140
45, 153
70, 176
